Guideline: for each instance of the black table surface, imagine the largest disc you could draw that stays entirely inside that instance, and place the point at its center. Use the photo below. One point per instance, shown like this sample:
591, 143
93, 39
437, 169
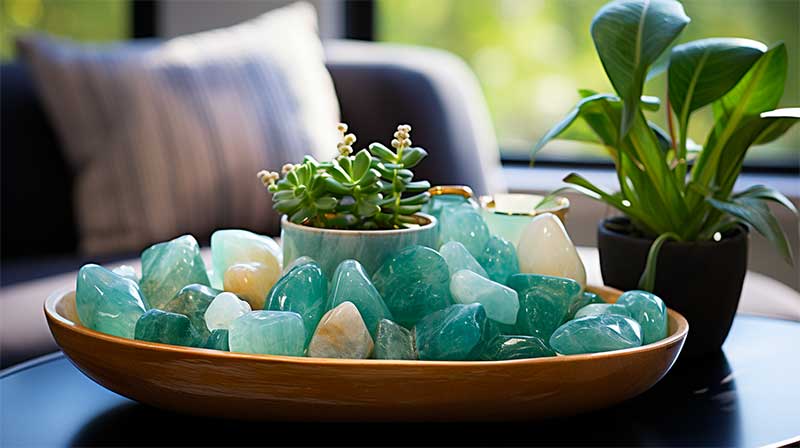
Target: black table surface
747, 396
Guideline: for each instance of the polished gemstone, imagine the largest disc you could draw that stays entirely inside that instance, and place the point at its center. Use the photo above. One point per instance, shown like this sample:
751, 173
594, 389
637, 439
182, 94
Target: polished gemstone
500, 302
126, 271
458, 257
351, 284
499, 259
441, 202
545, 248
465, 225
303, 290
341, 334
598, 333
223, 310
168, 267
268, 333
393, 342
456, 333
251, 281
649, 310
581, 300
543, 302
218, 340
167, 328
414, 283
233, 246
107, 302
505, 347
602, 308
193, 301
297, 263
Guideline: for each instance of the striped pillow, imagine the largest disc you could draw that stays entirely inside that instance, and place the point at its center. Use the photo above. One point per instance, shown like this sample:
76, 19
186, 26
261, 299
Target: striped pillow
166, 138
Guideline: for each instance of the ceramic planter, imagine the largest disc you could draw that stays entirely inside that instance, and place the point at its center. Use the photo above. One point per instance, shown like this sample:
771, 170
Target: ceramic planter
329, 247
509, 223
701, 280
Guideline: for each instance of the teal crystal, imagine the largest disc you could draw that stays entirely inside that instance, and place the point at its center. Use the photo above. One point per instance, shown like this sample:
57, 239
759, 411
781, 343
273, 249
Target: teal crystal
268, 333
297, 263
456, 333
351, 284
302, 290
504, 347
218, 340
458, 257
465, 225
598, 333
602, 308
543, 302
414, 283
168, 267
167, 328
499, 259
581, 300
500, 302
107, 302
649, 310
441, 202
393, 342
192, 301
232, 246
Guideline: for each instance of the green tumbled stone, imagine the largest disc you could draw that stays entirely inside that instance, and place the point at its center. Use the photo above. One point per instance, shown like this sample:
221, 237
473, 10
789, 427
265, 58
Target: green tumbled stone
543, 302
414, 283
192, 301
465, 225
599, 333
602, 308
500, 302
456, 333
499, 259
107, 302
168, 267
268, 333
393, 342
581, 300
167, 328
440, 202
351, 284
218, 340
505, 347
649, 310
458, 257
302, 290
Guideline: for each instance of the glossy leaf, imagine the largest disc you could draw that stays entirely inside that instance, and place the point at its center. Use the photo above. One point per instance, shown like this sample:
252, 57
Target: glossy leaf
647, 281
412, 156
767, 194
361, 164
757, 215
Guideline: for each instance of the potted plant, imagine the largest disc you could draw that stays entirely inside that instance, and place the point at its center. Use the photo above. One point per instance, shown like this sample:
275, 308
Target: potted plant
680, 211
362, 206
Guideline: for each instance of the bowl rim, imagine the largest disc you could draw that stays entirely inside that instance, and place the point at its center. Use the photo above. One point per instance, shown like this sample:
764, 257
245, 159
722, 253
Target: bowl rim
432, 222
56, 319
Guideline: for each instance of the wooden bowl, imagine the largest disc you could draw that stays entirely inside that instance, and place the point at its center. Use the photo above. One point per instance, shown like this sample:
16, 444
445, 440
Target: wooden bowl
262, 387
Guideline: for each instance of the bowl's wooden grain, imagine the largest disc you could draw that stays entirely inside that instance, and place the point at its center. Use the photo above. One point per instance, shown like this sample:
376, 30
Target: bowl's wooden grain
237, 385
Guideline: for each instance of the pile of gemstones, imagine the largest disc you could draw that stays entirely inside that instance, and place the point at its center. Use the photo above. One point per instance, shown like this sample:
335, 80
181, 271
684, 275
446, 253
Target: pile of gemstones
479, 297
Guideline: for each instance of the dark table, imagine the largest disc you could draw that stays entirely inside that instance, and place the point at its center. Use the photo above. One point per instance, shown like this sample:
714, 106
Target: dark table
747, 396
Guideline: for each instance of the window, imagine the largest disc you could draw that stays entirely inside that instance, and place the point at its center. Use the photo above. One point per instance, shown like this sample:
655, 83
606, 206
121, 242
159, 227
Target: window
532, 55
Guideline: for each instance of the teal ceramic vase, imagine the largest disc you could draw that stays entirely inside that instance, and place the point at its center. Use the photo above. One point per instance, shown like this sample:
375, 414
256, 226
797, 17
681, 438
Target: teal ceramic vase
371, 248
507, 216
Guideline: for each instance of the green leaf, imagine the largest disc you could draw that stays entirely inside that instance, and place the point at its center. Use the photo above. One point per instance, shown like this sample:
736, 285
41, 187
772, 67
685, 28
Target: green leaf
287, 206
768, 194
326, 203
367, 209
567, 121
336, 187
629, 36
361, 164
647, 281
420, 185
382, 152
302, 214
416, 199
755, 213
412, 156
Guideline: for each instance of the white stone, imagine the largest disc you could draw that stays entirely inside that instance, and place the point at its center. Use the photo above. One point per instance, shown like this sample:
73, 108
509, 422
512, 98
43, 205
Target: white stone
545, 248
223, 310
500, 302
341, 334
233, 246
251, 282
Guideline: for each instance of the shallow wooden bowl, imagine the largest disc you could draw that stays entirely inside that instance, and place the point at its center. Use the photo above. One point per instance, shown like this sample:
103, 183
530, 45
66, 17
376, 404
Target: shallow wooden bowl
237, 385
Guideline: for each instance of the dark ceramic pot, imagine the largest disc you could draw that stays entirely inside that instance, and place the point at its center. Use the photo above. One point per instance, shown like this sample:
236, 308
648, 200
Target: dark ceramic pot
701, 280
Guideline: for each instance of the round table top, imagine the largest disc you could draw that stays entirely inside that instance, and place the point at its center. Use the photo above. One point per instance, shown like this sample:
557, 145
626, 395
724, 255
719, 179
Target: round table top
746, 396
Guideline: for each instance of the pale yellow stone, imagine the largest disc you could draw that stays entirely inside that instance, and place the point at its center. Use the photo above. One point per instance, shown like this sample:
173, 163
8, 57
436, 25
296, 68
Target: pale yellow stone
251, 281
341, 334
545, 248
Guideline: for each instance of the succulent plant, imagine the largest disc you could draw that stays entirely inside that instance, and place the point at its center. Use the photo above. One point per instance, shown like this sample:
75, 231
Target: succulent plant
373, 189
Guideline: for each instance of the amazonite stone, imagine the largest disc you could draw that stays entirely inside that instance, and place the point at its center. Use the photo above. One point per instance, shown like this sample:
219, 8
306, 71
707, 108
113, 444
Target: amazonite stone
544, 301
456, 333
251, 281
500, 302
192, 301
126, 271
233, 246
223, 310
107, 302
503, 348
545, 248
499, 259
168, 267
341, 334
458, 257
598, 333
304, 290
218, 340
465, 225
580, 301
167, 328
413, 283
268, 333
441, 202
298, 262
649, 310
351, 284
393, 342
601, 308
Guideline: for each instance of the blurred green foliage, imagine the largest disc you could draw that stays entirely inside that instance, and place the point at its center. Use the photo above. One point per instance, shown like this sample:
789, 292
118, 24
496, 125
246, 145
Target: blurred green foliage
531, 56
